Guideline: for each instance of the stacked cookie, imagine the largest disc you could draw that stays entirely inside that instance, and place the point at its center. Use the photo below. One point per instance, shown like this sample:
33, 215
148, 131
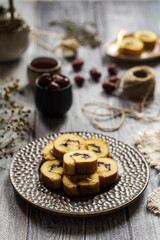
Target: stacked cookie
81, 166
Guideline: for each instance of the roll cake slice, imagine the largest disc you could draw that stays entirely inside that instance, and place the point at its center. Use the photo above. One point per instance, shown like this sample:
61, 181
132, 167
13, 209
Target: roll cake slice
79, 162
148, 38
51, 172
66, 143
47, 152
107, 170
131, 46
81, 185
98, 146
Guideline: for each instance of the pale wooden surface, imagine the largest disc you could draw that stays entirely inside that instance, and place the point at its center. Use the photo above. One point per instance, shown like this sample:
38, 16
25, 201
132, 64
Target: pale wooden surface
21, 221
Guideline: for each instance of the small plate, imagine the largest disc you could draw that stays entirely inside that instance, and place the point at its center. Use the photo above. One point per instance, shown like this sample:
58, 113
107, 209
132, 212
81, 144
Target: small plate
133, 179
111, 50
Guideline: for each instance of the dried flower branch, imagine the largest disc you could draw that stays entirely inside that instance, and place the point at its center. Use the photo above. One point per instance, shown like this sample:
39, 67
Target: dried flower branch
85, 34
14, 118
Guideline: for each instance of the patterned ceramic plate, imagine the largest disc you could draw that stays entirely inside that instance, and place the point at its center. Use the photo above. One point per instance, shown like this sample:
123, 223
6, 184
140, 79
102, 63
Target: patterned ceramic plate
132, 181
111, 50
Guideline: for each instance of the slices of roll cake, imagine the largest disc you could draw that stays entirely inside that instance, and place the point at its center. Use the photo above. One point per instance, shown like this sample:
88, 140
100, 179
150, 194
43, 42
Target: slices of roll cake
131, 46
51, 173
107, 170
98, 146
79, 162
81, 185
66, 143
148, 38
47, 152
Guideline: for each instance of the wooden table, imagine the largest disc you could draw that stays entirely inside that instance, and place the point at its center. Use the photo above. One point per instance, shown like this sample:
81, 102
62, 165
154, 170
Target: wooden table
22, 221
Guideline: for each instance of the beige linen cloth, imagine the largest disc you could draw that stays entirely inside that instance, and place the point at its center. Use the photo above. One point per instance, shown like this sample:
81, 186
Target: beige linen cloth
148, 143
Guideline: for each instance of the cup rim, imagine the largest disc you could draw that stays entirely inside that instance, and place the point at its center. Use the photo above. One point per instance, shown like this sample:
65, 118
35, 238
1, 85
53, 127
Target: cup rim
56, 90
39, 70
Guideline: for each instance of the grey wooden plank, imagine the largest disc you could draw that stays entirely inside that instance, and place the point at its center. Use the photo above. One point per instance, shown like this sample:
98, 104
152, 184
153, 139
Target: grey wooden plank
133, 222
131, 16
110, 226
44, 225
13, 212
52, 226
68, 122
91, 90
4, 1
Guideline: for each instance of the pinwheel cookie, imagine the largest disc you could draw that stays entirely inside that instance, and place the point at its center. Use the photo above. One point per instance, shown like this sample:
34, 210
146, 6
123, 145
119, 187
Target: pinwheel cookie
48, 152
81, 185
66, 143
79, 162
51, 172
98, 146
107, 171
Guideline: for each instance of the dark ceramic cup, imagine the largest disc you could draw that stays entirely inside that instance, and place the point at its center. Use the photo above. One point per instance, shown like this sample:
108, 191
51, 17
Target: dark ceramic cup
53, 102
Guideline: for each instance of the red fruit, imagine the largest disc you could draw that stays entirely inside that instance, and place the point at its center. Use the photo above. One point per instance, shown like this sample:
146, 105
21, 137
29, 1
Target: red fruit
77, 64
57, 76
113, 69
95, 74
79, 80
114, 79
109, 87
44, 79
53, 86
60, 80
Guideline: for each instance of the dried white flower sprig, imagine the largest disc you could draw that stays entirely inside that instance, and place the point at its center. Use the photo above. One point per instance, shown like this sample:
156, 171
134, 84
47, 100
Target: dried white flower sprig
14, 118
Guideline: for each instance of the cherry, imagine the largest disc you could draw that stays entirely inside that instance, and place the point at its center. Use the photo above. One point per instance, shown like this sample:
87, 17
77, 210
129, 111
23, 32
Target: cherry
53, 86
113, 69
77, 64
109, 87
60, 80
44, 79
114, 79
79, 80
95, 74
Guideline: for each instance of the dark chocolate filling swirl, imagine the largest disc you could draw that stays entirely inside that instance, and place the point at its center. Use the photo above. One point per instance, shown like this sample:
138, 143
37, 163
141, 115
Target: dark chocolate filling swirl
54, 166
66, 143
95, 146
52, 153
83, 155
108, 166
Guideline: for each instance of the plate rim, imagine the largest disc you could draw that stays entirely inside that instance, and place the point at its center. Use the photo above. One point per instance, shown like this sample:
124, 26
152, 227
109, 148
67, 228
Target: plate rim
84, 214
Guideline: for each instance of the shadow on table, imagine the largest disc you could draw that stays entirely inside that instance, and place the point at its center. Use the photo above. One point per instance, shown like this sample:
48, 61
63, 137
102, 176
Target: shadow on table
8, 67
43, 124
55, 123
124, 65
